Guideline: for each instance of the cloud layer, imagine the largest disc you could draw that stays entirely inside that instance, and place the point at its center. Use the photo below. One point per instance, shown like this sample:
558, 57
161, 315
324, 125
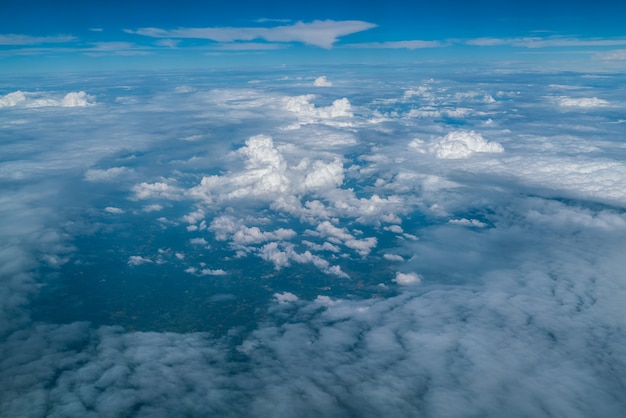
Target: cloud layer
201, 245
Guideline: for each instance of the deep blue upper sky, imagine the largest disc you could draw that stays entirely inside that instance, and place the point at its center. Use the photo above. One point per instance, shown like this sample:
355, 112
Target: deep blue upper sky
72, 31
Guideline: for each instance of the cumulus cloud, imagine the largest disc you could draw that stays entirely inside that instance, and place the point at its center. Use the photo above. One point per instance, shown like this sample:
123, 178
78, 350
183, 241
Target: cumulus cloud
337, 114
393, 257
285, 297
198, 241
322, 81
160, 190
137, 260
321, 33
468, 222
462, 144
282, 256
341, 235
77, 99
406, 279
37, 99
12, 99
227, 227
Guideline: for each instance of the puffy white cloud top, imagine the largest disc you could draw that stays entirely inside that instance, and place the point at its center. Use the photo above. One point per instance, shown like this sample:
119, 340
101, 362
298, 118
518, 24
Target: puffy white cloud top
77, 99
12, 99
406, 279
337, 114
31, 100
322, 81
462, 144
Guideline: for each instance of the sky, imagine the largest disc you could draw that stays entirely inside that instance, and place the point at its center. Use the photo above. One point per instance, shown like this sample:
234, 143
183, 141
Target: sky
78, 35
322, 209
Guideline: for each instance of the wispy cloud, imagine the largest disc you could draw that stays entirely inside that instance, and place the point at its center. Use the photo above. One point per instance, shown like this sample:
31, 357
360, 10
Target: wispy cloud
541, 42
321, 33
16, 39
248, 46
415, 44
617, 55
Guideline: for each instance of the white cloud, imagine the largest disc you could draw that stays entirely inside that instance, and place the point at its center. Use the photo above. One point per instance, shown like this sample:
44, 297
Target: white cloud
38, 99
413, 44
12, 99
152, 208
462, 144
227, 227
617, 55
397, 229
77, 99
337, 114
137, 260
326, 300
528, 318
268, 176
158, 190
113, 210
393, 257
341, 235
282, 256
321, 33
198, 241
15, 39
405, 279
109, 174
468, 222
547, 42
322, 81
211, 272
582, 102
285, 297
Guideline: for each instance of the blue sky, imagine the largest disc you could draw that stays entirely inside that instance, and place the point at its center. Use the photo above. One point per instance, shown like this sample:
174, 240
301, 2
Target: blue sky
72, 35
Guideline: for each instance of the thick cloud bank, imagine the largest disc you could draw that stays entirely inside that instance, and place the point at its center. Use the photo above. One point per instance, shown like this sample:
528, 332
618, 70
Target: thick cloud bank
199, 245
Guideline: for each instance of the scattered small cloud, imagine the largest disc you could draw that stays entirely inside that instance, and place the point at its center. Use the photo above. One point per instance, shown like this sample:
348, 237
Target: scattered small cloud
406, 279
393, 257
468, 222
322, 81
113, 210
137, 260
285, 297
